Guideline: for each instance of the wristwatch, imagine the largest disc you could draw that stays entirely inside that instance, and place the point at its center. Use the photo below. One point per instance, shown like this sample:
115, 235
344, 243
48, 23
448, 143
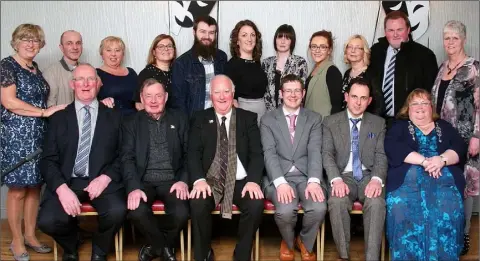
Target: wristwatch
444, 159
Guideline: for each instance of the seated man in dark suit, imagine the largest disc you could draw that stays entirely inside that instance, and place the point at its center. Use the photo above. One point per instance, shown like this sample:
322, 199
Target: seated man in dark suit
154, 154
356, 166
81, 162
292, 144
225, 164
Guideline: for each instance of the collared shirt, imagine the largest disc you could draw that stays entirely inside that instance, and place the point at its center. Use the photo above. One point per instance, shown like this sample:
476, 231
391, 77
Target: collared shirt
209, 74
80, 112
349, 167
281, 180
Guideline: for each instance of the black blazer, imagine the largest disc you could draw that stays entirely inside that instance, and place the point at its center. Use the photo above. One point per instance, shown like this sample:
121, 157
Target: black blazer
61, 144
203, 144
415, 67
135, 146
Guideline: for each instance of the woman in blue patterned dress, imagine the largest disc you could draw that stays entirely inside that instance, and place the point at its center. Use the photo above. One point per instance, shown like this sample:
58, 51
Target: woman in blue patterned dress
24, 93
425, 216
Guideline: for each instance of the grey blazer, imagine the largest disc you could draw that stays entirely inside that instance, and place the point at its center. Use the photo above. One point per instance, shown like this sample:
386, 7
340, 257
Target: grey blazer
337, 144
279, 152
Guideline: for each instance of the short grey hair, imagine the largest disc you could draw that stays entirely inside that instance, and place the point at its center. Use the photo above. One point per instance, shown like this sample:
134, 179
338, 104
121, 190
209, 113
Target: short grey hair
85, 64
456, 27
222, 76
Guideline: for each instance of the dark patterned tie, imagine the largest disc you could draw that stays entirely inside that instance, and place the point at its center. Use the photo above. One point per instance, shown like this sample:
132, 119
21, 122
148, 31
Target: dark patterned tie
356, 164
223, 153
388, 85
81, 162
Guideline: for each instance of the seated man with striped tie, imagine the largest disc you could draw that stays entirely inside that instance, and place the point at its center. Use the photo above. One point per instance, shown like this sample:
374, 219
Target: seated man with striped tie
81, 163
225, 164
292, 145
356, 166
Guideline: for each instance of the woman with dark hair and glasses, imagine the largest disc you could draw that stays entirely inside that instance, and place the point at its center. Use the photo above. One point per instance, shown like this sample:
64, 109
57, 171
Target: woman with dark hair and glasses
161, 55
284, 62
244, 68
324, 85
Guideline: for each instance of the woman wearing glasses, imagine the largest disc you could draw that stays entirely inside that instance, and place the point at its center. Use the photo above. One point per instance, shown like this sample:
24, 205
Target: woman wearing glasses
161, 54
456, 99
24, 94
119, 82
356, 53
425, 183
324, 84
283, 63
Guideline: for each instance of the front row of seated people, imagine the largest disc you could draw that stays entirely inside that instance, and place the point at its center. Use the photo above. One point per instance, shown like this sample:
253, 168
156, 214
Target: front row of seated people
122, 165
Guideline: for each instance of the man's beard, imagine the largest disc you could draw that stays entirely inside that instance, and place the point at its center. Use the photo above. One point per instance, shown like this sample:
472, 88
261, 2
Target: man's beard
205, 51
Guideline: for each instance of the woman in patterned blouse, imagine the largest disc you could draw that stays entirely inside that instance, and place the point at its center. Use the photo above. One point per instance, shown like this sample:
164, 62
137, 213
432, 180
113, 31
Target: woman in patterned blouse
283, 63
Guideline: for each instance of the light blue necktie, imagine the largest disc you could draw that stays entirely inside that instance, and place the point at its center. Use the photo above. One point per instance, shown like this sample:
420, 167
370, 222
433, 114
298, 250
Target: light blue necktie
81, 162
356, 164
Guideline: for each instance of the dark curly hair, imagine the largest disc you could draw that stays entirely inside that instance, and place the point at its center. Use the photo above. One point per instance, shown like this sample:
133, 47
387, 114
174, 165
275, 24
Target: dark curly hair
235, 50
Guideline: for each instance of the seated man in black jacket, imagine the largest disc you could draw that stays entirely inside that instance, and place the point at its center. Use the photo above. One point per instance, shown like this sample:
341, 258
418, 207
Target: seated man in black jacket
154, 164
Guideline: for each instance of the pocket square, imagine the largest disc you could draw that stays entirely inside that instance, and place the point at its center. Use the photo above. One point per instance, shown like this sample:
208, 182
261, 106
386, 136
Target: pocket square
172, 127
210, 121
371, 135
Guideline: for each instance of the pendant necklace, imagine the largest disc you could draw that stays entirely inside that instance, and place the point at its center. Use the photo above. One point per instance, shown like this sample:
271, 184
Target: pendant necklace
451, 69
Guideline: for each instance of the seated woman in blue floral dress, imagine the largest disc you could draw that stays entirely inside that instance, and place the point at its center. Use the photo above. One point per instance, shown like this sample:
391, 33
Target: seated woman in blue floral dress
425, 216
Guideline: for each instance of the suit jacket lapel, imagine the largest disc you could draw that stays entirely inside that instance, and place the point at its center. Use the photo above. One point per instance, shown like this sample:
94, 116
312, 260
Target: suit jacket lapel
97, 133
283, 125
344, 128
364, 130
72, 127
144, 139
300, 126
211, 127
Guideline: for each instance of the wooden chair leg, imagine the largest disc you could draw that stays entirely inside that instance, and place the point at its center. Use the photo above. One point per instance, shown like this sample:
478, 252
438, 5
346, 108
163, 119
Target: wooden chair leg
116, 247
121, 243
182, 246
189, 240
322, 242
55, 251
382, 257
257, 245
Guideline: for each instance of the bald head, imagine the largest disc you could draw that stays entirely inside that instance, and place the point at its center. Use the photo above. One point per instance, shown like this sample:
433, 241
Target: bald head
71, 45
84, 83
221, 79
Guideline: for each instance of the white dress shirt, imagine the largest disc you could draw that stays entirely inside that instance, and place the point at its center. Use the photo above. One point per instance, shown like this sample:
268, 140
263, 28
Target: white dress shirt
281, 180
241, 173
349, 167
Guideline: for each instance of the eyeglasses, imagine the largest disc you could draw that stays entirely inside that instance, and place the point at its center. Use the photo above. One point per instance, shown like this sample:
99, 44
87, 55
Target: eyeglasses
321, 47
30, 40
89, 80
354, 48
290, 92
165, 47
418, 104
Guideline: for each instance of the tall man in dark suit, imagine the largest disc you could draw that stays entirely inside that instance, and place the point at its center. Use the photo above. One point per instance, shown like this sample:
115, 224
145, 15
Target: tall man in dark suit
225, 164
356, 166
399, 65
154, 152
292, 144
81, 162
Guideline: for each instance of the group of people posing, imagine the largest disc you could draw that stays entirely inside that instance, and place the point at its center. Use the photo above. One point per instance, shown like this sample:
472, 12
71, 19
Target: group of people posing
200, 132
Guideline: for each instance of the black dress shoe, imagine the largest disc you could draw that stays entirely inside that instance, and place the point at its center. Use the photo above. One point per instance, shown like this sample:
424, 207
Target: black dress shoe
169, 254
146, 253
97, 257
70, 257
210, 256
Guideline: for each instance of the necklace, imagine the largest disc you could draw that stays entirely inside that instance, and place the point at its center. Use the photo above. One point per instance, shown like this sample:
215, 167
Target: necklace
31, 68
451, 69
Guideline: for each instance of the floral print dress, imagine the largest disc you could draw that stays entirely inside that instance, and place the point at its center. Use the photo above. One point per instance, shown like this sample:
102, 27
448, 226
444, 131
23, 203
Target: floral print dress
461, 108
22, 135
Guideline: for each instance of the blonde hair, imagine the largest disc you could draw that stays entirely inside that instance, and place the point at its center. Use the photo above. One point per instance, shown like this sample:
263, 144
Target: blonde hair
417, 93
109, 40
366, 49
27, 31
151, 58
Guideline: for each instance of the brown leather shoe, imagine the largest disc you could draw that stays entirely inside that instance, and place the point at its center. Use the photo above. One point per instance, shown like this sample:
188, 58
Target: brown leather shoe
306, 256
286, 254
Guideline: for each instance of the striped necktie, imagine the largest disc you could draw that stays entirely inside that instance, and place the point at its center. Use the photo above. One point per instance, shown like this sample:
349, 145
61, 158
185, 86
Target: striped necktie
81, 162
387, 89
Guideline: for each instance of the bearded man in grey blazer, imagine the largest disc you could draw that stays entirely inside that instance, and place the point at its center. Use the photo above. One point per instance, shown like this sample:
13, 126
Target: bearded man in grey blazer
292, 143
356, 166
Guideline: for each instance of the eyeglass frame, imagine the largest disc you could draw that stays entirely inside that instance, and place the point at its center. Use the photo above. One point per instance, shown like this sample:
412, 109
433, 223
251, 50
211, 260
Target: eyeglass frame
354, 48
418, 104
321, 47
33, 41
165, 47
88, 80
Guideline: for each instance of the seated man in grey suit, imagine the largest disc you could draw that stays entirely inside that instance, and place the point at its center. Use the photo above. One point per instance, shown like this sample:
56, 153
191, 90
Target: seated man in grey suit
356, 166
292, 144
